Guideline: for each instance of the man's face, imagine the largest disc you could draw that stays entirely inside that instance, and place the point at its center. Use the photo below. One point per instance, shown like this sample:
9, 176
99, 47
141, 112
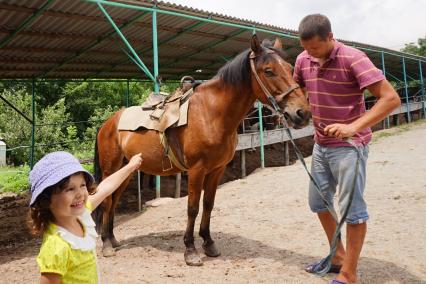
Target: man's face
317, 47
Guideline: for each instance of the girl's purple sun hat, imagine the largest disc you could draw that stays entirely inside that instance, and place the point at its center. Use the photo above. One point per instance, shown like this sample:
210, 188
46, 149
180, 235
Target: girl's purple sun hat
51, 169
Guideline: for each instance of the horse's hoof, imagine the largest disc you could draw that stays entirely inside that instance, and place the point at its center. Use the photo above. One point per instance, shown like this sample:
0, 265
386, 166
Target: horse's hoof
211, 250
108, 252
192, 258
115, 243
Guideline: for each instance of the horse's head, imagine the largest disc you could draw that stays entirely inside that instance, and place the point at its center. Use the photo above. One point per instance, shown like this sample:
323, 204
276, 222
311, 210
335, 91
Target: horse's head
274, 85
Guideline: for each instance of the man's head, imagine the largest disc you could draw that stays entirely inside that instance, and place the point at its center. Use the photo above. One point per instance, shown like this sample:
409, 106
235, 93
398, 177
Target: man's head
316, 36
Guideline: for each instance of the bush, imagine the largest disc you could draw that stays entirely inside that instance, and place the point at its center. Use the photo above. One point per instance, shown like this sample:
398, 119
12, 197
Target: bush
15, 129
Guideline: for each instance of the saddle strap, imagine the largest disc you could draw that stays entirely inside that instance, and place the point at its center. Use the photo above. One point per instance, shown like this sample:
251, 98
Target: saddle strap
170, 154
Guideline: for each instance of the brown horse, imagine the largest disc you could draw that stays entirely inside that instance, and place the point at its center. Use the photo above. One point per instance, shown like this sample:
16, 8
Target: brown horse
207, 143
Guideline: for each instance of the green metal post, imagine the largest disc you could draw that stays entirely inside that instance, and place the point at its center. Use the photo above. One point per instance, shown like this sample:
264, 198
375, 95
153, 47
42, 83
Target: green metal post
129, 46
127, 93
406, 90
228, 24
33, 124
207, 20
259, 108
156, 81
387, 121
262, 148
422, 86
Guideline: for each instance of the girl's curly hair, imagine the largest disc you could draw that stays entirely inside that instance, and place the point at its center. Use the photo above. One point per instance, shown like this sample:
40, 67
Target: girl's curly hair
39, 215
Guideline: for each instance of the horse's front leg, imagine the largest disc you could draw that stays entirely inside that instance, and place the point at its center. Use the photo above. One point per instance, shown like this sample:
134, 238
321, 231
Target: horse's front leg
195, 184
116, 196
210, 185
107, 247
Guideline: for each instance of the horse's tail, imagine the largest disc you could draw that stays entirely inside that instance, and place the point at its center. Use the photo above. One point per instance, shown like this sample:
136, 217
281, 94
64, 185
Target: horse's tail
98, 212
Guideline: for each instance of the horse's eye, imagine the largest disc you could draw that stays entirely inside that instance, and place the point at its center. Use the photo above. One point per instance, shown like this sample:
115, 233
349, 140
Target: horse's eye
269, 73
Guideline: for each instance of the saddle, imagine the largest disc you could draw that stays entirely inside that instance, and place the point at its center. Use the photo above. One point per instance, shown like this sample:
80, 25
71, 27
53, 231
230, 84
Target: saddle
160, 110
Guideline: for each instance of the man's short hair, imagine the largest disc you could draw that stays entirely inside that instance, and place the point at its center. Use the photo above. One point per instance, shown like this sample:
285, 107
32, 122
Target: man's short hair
314, 25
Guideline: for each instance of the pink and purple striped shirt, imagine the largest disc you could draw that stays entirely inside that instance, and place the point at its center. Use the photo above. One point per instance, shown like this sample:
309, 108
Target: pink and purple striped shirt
335, 89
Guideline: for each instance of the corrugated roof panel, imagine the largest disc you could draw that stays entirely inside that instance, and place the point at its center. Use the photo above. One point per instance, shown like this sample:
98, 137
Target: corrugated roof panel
68, 37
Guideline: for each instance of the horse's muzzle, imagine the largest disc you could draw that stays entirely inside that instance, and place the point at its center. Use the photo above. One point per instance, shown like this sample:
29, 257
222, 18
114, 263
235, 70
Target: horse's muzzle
297, 119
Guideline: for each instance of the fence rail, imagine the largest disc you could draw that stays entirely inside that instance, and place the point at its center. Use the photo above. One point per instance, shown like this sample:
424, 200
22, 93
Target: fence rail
252, 140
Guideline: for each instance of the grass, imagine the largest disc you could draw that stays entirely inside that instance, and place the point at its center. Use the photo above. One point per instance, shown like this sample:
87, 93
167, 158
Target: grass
396, 130
15, 179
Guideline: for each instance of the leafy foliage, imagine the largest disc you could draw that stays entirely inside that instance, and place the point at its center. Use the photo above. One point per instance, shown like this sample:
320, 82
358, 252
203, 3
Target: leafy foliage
67, 117
417, 49
14, 129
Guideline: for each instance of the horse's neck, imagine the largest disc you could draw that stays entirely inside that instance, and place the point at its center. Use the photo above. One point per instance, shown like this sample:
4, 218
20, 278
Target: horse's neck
234, 104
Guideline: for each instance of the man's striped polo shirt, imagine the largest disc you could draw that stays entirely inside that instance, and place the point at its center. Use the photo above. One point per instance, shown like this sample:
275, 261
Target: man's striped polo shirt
335, 89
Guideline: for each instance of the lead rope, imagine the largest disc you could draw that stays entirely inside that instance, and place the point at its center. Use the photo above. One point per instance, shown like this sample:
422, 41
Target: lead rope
326, 262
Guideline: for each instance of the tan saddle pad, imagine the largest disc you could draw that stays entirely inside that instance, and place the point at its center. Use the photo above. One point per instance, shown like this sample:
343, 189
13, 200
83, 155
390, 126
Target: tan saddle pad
158, 112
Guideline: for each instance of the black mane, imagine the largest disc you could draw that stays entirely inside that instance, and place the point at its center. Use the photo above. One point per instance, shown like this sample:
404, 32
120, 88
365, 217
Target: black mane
237, 71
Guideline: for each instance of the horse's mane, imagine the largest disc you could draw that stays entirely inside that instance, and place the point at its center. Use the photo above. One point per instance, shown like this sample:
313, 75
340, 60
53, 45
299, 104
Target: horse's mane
237, 71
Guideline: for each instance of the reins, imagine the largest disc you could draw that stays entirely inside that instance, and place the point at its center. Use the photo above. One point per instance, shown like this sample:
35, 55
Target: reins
326, 262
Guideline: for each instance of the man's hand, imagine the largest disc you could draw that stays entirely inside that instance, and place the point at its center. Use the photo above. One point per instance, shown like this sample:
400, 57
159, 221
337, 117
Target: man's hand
339, 130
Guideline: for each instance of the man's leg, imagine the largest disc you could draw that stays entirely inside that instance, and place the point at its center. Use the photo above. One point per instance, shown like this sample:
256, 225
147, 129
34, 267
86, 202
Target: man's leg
322, 174
355, 234
329, 225
344, 169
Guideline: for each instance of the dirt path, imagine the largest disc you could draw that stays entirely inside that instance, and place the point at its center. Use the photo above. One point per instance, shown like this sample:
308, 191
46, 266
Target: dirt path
267, 233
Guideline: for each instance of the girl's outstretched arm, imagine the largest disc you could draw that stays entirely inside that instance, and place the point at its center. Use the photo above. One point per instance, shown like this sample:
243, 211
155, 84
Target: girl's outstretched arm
50, 278
112, 182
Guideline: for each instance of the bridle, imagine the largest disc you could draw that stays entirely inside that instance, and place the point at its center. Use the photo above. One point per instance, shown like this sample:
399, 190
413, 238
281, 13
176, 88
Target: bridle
266, 92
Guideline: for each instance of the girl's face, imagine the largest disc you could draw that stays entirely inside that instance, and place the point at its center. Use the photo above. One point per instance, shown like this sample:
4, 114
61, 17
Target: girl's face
70, 201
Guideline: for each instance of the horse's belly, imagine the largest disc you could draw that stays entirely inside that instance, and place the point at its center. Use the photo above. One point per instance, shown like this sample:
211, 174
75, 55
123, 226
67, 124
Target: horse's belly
147, 142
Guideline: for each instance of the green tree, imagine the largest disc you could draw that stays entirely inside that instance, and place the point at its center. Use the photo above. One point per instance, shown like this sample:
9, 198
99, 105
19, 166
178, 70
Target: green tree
51, 123
15, 129
417, 49
83, 98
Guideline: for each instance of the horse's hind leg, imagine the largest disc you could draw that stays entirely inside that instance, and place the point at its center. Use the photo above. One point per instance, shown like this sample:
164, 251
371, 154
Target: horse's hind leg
210, 185
195, 184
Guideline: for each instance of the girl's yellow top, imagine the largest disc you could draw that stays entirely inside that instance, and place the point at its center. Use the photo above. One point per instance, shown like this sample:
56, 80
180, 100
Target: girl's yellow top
71, 256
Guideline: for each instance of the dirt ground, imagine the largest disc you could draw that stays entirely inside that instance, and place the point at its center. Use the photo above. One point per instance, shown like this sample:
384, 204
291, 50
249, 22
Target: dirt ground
265, 231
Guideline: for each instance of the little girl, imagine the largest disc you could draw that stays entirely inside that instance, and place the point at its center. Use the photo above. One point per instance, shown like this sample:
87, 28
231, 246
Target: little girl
63, 196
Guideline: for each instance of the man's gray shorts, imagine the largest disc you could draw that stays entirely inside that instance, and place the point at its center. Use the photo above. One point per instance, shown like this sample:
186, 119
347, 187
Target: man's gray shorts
336, 166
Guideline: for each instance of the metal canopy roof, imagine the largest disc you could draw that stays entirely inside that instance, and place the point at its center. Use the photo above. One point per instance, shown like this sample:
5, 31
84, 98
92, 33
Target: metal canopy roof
72, 39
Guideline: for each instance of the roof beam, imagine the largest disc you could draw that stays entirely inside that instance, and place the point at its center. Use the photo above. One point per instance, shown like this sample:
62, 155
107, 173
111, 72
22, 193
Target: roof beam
58, 14
87, 48
164, 41
186, 56
87, 37
26, 23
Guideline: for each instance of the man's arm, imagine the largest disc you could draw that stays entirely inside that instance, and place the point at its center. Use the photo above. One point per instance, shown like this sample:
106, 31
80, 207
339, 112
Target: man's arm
387, 101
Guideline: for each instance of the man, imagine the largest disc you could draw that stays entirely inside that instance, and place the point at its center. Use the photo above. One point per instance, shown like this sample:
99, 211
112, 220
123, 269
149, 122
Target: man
334, 77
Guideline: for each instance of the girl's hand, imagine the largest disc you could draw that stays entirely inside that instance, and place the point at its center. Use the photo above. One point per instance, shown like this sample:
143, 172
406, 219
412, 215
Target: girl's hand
135, 162
113, 182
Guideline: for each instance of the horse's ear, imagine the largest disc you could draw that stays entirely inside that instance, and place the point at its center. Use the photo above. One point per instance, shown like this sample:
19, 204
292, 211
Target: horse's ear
255, 44
278, 44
